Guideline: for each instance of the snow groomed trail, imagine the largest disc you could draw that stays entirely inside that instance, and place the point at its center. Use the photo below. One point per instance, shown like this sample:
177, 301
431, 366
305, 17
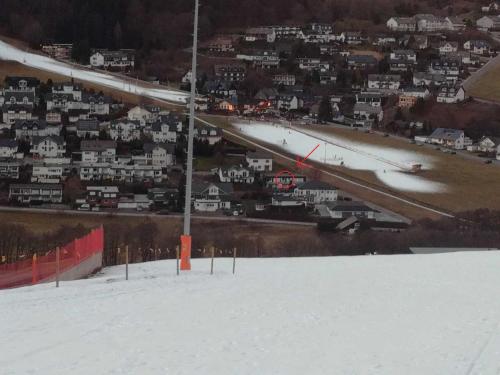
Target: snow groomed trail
11, 53
377, 315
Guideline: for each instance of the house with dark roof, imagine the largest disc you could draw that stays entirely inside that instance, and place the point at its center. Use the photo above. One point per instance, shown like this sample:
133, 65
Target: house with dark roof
8, 148
347, 209
453, 138
21, 83
88, 128
98, 151
30, 193
26, 129
210, 196
51, 146
315, 192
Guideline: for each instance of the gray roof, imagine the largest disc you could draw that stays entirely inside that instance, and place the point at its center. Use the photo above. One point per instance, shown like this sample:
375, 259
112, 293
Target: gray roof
169, 147
448, 134
315, 185
19, 96
56, 138
30, 124
7, 142
36, 186
259, 155
199, 187
350, 206
97, 145
88, 125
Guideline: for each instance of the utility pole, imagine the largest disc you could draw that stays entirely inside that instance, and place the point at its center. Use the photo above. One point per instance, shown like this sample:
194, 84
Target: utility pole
186, 237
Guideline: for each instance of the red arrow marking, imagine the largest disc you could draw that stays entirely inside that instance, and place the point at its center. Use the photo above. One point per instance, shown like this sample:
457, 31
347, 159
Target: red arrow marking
301, 163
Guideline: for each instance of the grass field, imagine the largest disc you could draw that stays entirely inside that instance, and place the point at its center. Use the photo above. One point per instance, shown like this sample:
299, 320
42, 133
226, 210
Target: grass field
471, 184
487, 86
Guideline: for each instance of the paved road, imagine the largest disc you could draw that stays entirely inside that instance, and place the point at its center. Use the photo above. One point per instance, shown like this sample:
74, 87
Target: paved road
151, 215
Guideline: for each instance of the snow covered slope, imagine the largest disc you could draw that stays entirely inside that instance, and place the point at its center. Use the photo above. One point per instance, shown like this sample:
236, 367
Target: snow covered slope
433, 314
11, 53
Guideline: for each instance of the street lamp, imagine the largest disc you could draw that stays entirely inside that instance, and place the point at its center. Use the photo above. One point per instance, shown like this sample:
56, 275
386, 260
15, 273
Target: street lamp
186, 237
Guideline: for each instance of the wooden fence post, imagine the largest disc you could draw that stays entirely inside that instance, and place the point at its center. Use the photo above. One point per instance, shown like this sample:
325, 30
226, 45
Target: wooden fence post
212, 262
234, 260
177, 258
126, 262
58, 255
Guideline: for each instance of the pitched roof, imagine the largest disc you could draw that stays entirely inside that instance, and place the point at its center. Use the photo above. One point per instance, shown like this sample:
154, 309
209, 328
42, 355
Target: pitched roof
349, 206
199, 187
7, 142
447, 134
315, 185
97, 145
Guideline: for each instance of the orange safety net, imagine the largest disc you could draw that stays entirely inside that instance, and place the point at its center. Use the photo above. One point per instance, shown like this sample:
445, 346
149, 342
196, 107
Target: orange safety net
43, 268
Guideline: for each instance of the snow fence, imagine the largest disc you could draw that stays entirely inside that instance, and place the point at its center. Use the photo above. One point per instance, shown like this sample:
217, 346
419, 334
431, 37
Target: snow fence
78, 259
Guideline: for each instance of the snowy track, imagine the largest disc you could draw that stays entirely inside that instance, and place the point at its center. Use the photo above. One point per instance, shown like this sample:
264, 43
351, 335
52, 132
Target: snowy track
377, 315
11, 53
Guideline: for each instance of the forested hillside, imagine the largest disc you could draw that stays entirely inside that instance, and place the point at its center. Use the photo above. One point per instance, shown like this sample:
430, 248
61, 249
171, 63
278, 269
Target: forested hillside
166, 24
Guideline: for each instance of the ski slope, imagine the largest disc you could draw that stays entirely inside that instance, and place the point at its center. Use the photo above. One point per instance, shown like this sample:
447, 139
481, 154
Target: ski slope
389, 165
409, 314
11, 53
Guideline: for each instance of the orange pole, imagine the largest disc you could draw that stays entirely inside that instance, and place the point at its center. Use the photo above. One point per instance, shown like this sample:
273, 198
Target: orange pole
185, 253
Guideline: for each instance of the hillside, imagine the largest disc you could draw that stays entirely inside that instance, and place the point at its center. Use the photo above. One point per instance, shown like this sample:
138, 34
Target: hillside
435, 314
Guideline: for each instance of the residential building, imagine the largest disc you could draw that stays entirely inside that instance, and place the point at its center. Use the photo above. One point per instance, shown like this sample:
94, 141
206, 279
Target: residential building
103, 196
221, 44
122, 59
447, 47
34, 128
452, 138
9, 169
428, 79
16, 112
284, 79
402, 24
347, 209
157, 154
59, 51
370, 98
386, 82
141, 114
488, 23
478, 47
231, 72
8, 148
236, 174
97, 151
209, 134
259, 161
310, 64
451, 94
125, 130
51, 146
120, 172
315, 192
36, 193
266, 34
211, 197
88, 128
47, 173
361, 62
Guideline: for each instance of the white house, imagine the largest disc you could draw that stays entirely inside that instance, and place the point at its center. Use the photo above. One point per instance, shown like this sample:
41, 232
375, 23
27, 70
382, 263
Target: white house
236, 174
141, 114
8, 148
259, 161
97, 151
478, 47
209, 134
121, 59
488, 23
27, 193
48, 147
402, 24
158, 154
447, 47
35, 128
452, 138
314, 192
389, 82
125, 130
47, 173
451, 94
211, 197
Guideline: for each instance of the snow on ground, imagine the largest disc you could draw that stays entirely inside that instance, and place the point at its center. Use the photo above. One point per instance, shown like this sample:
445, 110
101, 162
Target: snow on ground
408, 314
11, 53
389, 165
